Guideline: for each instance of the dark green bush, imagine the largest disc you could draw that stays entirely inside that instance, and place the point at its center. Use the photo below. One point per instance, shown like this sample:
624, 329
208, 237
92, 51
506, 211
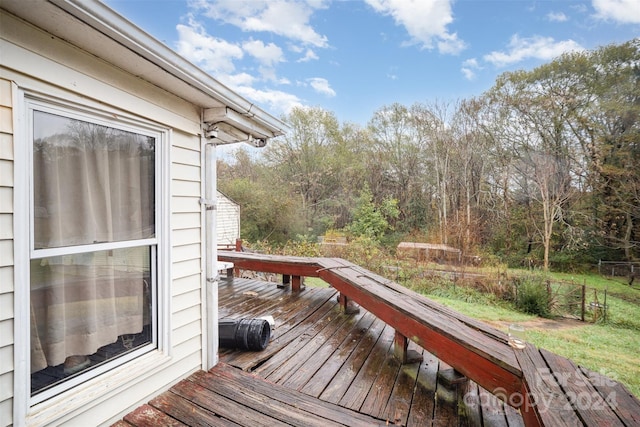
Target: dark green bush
532, 296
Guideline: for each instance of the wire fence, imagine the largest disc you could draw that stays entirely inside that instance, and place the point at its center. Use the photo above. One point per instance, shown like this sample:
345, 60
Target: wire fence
619, 269
578, 301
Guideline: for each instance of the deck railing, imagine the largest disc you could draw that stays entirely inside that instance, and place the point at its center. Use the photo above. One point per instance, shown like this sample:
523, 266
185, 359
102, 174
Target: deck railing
521, 378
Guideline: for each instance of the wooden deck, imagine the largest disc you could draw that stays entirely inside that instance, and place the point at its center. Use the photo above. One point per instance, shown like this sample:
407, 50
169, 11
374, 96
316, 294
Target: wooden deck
321, 367
325, 367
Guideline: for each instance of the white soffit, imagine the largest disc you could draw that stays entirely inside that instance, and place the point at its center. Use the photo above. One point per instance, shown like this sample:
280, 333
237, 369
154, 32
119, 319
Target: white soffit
120, 42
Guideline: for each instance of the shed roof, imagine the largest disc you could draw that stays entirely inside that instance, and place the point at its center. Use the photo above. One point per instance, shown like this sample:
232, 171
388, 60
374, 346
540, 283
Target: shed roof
428, 246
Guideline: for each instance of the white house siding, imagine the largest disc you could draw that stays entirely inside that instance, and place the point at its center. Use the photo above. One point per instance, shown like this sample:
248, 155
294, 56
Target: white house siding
44, 64
228, 220
6, 253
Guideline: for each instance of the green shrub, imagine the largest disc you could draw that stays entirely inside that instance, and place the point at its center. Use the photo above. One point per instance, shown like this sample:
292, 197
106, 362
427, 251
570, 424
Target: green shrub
532, 296
303, 246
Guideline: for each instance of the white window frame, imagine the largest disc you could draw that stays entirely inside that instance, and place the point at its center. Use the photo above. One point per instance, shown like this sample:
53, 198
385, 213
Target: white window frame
132, 366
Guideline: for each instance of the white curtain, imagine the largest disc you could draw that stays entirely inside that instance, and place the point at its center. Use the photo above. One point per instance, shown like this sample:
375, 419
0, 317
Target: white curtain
92, 184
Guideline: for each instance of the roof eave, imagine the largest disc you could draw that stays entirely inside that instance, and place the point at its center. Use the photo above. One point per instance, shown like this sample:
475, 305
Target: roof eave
108, 22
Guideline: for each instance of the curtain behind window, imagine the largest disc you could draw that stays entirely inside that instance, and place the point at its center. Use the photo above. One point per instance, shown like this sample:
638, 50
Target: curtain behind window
91, 184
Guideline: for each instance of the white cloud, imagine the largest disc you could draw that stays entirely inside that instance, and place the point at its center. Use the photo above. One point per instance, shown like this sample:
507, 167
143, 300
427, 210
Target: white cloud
267, 55
309, 55
217, 57
557, 17
287, 18
392, 74
278, 101
321, 86
214, 55
471, 63
236, 80
426, 22
469, 68
624, 11
451, 44
468, 73
537, 47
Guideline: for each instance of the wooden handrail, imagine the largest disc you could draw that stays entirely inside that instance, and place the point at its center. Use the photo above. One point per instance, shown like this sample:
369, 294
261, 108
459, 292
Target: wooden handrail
473, 348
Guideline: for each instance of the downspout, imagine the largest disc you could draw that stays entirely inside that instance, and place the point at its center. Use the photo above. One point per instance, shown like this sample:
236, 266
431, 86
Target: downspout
211, 253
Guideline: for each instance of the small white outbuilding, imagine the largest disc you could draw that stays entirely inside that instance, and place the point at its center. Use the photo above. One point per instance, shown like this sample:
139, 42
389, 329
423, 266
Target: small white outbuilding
228, 221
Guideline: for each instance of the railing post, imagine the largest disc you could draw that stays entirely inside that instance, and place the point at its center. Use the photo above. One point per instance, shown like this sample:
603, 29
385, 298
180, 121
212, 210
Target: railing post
236, 270
348, 307
584, 297
401, 350
296, 283
286, 281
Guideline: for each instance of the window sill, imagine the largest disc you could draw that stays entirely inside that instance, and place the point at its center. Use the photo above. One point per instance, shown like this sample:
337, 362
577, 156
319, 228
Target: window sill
88, 395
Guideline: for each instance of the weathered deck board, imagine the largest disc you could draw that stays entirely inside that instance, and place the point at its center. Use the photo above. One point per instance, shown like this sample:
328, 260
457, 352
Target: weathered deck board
186, 412
294, 356
345, 376
362, 383
617, 396
237, 389
445, 412
423, 403
553, 407
469, 402
493, 413
239, 412
380, 391
435, 331
313, 408
324, 366
331, 365
291, 310
148, 416
586, 401
399, 403
481, 357
514, 418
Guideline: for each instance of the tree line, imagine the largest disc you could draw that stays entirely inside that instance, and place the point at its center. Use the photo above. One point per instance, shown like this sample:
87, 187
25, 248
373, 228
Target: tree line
543, 166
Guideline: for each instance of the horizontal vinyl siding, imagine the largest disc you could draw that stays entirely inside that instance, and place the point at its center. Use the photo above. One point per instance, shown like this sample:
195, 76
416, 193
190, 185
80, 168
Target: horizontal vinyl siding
186, 268
6, 253
6, 199
6, 279
6, 354
185, 156
41, 64
186, 236
186, 284
185, 333
186, 205
184, 220
184, 317
186, 253
228, 220
185, 188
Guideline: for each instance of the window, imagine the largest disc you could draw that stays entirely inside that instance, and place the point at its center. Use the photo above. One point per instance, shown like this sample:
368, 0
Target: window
94, 243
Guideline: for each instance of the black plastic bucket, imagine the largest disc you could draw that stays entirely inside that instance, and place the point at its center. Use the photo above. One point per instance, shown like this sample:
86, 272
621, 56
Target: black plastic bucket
244, 334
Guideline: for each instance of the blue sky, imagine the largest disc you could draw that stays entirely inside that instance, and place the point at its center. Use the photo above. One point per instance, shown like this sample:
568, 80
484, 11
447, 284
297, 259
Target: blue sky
354, 57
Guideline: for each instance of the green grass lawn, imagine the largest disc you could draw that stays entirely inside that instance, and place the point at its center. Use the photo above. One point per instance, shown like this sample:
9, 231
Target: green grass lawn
611, 348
